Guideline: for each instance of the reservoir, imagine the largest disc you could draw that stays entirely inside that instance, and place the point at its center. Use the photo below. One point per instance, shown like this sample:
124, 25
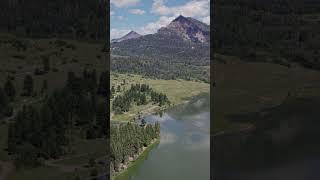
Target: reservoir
183, 152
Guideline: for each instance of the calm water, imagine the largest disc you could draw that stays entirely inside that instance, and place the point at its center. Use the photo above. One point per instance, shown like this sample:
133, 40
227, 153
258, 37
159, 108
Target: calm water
285, 146
183, 152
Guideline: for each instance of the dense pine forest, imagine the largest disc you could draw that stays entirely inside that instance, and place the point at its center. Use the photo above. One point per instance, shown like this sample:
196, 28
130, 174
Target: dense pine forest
163, 68
46, 129
128, 140
277, 31
140, 94
71, 18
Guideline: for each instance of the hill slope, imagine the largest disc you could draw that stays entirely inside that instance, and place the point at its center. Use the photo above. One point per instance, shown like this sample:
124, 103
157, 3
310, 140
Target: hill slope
183, 37
130, 35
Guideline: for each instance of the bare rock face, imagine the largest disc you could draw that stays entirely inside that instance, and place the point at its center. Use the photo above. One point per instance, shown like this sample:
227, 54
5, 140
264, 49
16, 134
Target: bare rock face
188, 29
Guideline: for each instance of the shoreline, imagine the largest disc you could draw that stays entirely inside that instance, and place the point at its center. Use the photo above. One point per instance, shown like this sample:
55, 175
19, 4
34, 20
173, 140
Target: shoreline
150, 147
133, 162
183, 102
160, 109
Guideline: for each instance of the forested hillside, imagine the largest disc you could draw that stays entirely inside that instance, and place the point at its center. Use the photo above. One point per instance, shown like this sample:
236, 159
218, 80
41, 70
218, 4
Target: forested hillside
62, 18
53, 89
278, 31
47, 129
177, 51
162, 68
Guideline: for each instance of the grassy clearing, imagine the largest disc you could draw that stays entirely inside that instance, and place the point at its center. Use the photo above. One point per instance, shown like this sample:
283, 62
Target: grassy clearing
177, 91
250, 87
64, 56
84, 150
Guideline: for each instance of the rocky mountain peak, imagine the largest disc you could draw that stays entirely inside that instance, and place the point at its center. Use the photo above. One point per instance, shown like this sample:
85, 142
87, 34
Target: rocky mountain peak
130, 35
188, 29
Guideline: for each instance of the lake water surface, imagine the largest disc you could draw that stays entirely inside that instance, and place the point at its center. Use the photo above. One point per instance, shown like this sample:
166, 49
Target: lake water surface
183, 152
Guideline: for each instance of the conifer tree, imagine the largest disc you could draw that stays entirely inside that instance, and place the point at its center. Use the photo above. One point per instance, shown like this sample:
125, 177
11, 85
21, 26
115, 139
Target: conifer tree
10, 89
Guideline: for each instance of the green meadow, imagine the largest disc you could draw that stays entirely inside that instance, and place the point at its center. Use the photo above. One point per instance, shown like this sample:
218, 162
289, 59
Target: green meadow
178, 92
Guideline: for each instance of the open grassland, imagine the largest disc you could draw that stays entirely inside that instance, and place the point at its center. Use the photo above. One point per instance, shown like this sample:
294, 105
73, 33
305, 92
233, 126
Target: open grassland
251, 87
20, 57
177, 91
84, 150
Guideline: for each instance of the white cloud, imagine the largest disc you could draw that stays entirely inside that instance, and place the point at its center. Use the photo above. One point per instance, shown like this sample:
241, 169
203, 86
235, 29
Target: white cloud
206, 20
137, 11
120, 17
168, 138
111, 13
199, 9
117, 33
193, 8
152, 27
124, 3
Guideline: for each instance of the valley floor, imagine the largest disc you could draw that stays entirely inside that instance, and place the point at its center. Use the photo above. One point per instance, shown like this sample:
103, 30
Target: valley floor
178, 92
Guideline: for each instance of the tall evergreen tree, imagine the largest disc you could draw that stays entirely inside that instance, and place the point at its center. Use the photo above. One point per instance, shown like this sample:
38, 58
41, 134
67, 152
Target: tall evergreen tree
10, 89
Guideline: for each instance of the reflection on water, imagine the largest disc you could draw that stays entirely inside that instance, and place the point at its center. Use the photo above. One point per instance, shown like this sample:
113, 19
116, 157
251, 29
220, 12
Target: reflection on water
284, 145
183, 152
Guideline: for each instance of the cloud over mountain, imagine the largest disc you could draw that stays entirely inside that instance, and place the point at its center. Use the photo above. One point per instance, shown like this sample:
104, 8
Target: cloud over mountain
194, 8
137, 11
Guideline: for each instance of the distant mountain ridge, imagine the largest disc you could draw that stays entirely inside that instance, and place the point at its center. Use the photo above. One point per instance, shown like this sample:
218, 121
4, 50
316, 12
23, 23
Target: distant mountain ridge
183, 37
130, 35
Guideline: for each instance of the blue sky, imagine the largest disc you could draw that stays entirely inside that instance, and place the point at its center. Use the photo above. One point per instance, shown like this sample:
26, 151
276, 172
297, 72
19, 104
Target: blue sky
147, 16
